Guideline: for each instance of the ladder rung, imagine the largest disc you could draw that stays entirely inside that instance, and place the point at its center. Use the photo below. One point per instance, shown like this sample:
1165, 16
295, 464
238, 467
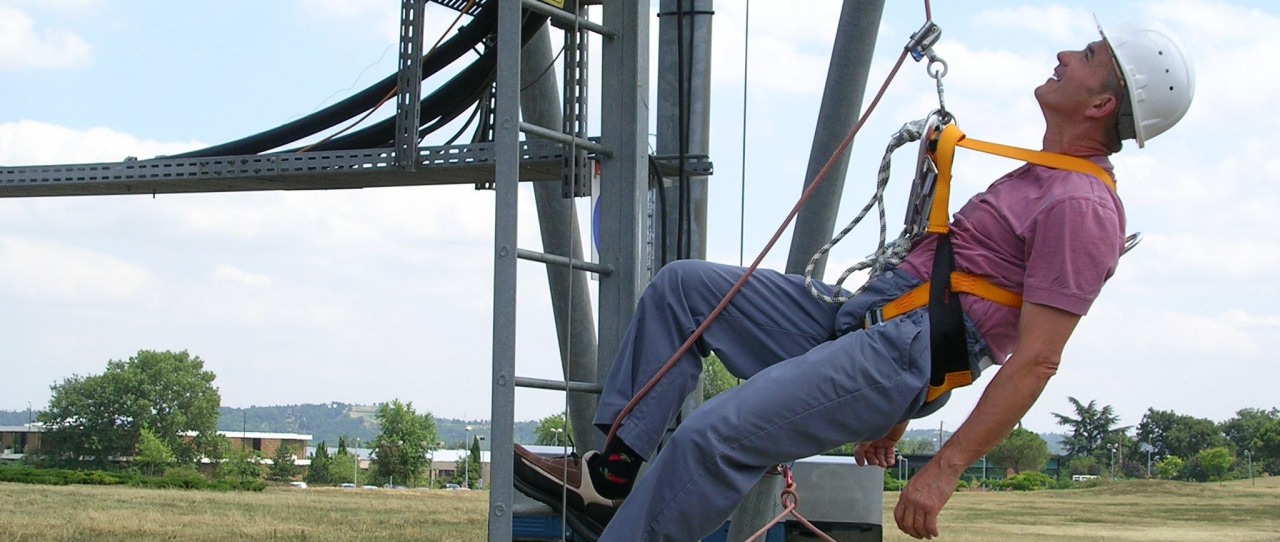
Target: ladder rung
558, 137
566, 18
543, 384
571, 263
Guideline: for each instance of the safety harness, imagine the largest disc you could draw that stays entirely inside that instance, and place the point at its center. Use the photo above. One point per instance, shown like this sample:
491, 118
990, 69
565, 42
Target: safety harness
949, 347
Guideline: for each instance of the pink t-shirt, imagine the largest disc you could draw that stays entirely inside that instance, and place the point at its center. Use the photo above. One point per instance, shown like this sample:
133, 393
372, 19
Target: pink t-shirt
1054, 236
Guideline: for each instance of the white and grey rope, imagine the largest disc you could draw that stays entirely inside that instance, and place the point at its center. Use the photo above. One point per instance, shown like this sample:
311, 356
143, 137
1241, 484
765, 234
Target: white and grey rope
887, 254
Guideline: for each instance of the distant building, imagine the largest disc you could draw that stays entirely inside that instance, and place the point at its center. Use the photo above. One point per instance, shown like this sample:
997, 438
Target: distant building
446, 464
265, 444
15, 440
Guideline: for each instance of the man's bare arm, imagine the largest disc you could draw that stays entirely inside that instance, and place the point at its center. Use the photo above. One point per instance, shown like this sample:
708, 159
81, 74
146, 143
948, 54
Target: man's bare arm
1042, 334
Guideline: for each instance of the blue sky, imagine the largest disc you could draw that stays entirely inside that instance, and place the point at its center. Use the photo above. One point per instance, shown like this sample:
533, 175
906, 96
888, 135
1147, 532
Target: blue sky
364, 296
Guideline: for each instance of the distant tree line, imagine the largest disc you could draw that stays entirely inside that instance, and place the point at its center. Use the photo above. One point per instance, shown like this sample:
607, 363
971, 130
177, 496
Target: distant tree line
1164, 444
157, 413
1169, 445
160, 411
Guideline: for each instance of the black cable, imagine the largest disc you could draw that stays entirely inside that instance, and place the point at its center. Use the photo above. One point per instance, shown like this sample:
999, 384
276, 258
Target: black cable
481, 26
544, 70
440, 107
655, 176
682, 224
475, 112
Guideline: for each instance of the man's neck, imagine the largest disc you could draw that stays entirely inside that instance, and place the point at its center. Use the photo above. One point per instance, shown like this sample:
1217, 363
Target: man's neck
1083, 141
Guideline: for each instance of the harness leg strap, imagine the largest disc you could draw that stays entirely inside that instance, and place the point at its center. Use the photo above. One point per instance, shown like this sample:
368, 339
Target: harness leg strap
949, 348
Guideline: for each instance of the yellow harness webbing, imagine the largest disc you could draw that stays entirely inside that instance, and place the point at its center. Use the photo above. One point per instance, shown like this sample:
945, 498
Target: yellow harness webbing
957, 374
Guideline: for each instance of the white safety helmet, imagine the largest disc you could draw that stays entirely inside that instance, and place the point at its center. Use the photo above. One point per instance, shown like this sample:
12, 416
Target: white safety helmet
1158, 75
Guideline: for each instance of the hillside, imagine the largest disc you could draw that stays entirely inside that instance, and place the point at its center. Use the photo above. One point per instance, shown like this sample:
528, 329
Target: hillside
326, 422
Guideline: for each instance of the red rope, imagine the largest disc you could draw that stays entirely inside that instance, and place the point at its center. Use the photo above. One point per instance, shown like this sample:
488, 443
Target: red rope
790, 500
733, 291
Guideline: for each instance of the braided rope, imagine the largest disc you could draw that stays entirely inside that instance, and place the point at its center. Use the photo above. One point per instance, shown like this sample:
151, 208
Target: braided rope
887, 254
790, 499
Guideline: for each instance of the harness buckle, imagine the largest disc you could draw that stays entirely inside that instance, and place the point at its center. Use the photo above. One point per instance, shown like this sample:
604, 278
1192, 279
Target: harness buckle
874, 317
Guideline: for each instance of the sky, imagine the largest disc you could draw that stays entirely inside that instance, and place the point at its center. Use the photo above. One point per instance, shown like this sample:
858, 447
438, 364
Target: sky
363, 296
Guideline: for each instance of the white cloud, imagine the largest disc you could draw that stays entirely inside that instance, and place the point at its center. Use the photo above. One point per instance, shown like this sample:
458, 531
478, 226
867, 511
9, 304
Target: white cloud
23, 45
53, 272
1054, 22
229, 273
29, 142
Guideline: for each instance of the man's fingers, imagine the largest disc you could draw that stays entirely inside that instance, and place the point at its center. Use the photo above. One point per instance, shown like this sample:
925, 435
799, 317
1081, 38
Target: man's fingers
931, 525
899, 512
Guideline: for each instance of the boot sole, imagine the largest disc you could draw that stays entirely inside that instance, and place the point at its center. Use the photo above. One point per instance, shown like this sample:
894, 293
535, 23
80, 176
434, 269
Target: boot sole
583, 525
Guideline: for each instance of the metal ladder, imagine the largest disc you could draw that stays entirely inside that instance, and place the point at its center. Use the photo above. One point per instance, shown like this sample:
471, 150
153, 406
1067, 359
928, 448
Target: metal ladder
622, 157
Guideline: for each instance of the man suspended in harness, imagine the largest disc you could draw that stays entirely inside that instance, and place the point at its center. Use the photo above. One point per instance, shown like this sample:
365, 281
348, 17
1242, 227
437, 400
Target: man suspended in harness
819, 375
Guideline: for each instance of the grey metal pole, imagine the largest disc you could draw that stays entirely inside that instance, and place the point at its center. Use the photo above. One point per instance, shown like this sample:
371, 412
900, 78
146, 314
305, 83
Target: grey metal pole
841, 103
624, 128
506, 142
690, 124
570, 297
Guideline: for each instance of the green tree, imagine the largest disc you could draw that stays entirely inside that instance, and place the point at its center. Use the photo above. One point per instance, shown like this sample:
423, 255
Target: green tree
1170, 468
467, 472
1089, 428
475, 468
239, 465
917, 446
344, 470
404, 442
716, 379
553, 430
1216, 462
1084, 464
1022, 450
342, 445
151, 453
1171, 434
283, 466
1257, 431
319, 473
96, 417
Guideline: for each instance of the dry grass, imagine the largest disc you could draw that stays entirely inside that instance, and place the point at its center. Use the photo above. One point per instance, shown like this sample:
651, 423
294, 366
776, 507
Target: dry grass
1132, 510
1164, 511
121, 513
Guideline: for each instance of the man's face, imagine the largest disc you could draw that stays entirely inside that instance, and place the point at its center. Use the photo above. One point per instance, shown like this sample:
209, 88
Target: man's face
1079, 77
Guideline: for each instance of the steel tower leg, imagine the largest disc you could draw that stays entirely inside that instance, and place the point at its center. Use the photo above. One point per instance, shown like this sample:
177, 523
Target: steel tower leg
624, 126
851, 54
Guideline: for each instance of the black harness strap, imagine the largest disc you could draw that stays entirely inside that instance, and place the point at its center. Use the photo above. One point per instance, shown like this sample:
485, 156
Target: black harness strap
949, 348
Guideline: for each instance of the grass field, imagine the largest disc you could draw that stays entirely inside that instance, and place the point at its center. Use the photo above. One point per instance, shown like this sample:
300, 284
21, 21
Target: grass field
1135, 510
1130, 510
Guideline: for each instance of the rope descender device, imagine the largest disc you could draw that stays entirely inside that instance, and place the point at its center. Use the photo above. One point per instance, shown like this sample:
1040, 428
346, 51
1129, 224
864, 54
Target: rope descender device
920, 46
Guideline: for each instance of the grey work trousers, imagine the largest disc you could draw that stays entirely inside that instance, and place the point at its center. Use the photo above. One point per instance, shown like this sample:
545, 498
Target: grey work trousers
814, 381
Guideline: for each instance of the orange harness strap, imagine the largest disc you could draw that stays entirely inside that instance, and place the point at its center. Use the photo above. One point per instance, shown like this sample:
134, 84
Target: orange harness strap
965, 283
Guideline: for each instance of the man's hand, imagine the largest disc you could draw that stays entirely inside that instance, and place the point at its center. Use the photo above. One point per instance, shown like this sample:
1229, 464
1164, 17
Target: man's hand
921, 501
877, 452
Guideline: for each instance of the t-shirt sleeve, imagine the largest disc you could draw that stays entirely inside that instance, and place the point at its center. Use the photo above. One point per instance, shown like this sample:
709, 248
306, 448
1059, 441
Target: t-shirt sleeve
1072, 246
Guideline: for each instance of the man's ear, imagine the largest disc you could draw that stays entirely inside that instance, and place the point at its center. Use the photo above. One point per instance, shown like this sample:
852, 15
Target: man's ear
1102, 105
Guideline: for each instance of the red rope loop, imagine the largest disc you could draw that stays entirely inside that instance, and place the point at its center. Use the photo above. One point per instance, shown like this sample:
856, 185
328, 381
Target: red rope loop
789, 499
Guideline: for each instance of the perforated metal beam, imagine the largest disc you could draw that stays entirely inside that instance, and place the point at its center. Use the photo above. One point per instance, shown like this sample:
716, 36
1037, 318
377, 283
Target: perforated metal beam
440, 165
